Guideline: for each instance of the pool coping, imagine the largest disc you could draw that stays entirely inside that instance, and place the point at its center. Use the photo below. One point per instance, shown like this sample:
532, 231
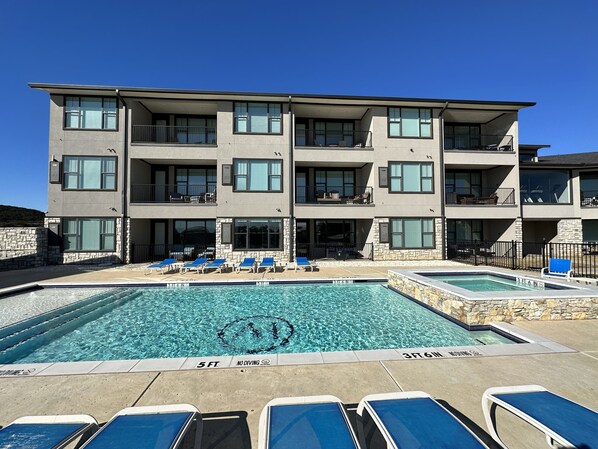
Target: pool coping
571, 291
531, 343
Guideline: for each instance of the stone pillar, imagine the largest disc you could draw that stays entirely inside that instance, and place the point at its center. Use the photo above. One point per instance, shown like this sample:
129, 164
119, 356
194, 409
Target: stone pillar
569, 230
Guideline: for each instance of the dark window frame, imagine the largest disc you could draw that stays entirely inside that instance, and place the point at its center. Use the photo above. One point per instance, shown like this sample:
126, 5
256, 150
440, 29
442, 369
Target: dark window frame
451, 229
196, 167
206, 132
421, 178
352, 233
104, 114
391, 233
324, 185
451, 135
175, 235
248, 234
78, 235
248, 176
401, 136
247, 103
78, 174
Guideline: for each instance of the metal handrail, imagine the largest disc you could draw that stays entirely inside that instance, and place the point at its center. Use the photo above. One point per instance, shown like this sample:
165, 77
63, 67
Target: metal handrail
348, 194
481, 196
173, 193
483, 142
340, 139
183, 135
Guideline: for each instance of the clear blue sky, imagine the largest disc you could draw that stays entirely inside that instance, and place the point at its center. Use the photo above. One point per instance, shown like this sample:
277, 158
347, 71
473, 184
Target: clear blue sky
526, 50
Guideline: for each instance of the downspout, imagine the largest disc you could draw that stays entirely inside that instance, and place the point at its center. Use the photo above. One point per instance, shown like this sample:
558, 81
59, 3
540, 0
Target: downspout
442, 184
291, 184
123, 227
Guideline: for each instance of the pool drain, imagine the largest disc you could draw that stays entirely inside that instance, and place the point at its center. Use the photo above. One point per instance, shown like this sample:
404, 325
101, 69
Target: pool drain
256, 334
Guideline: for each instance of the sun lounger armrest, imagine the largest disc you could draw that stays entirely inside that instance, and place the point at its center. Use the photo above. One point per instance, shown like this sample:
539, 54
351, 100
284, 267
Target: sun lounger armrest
490, 402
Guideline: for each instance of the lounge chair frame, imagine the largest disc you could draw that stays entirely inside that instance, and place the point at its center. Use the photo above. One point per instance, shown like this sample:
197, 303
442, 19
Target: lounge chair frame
165, 264
264, 424
266, 265
213, 266
490, 402
364, 404
245, 266
90, 425
162, 409
547, 271
305, 264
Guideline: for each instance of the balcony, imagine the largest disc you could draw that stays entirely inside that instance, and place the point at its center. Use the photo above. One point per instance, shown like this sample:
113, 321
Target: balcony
334, 195
177, 135
482, 197
173, 193
331, 139
484, 142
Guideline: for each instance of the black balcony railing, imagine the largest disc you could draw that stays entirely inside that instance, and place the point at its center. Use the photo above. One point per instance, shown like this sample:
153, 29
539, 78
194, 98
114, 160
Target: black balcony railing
348, 194
342, 139
184, 135
484, 142
589, 198
173, 193
482, 196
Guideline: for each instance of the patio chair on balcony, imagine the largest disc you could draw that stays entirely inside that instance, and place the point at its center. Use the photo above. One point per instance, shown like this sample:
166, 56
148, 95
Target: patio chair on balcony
176, 197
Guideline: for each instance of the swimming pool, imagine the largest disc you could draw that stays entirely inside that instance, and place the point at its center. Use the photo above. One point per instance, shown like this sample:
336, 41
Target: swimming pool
485, 282
158, 322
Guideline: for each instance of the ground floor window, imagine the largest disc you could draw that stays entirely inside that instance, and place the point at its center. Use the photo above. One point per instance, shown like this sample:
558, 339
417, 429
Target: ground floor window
89, 234
195, 232
464, 231
257, 233
335, 232
407, 233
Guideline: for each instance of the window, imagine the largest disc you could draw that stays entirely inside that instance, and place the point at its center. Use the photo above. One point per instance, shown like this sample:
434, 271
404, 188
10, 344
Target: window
89, 173
195, 232
544, 186
409, 122
464, 183
464, 231
411, 177
257, 234
89, 234
462, 137
195, 130
412, 233
90, 113
333, 133
195, 181
340, 181
335, 233
257, 175
258, 118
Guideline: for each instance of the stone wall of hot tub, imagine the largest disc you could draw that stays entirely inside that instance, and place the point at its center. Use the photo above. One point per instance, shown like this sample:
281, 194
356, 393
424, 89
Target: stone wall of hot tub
481, 312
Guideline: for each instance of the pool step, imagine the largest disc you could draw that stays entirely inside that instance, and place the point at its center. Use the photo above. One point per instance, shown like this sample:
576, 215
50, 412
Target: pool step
58, 322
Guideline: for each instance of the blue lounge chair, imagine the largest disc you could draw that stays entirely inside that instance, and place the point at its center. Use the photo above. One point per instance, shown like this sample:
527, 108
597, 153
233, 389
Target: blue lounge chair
166, 265
216, 264
558, 268
412, 420
267, 264
47, 432
247, 264
302, 262
195, 265
565, 423
156, 427
305, 422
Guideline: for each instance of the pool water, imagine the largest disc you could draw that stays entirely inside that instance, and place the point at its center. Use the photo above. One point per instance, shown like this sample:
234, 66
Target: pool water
237, 320
478, 282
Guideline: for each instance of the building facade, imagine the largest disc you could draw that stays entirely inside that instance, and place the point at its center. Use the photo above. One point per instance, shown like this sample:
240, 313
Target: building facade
143, 174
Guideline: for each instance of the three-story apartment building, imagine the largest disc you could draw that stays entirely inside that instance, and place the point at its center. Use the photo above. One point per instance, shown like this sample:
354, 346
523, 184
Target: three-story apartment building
140, 174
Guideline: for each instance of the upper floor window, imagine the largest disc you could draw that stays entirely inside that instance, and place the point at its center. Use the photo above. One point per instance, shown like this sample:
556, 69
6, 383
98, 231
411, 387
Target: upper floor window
195, 181
257, 175
89, 173
412, 233
411, 177
462, 137
195, 130
258, 118
90, 113
89, 234
409, 122
544, 186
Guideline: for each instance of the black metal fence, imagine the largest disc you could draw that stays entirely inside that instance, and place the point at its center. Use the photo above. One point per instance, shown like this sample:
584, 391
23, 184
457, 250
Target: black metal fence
173, 193
531, 256
484, 142
180, 252
333, 138
335, 251
481, 196
347, 194
184, 135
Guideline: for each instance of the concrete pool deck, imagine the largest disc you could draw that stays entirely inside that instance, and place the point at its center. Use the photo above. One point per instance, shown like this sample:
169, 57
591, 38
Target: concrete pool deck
232, 399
